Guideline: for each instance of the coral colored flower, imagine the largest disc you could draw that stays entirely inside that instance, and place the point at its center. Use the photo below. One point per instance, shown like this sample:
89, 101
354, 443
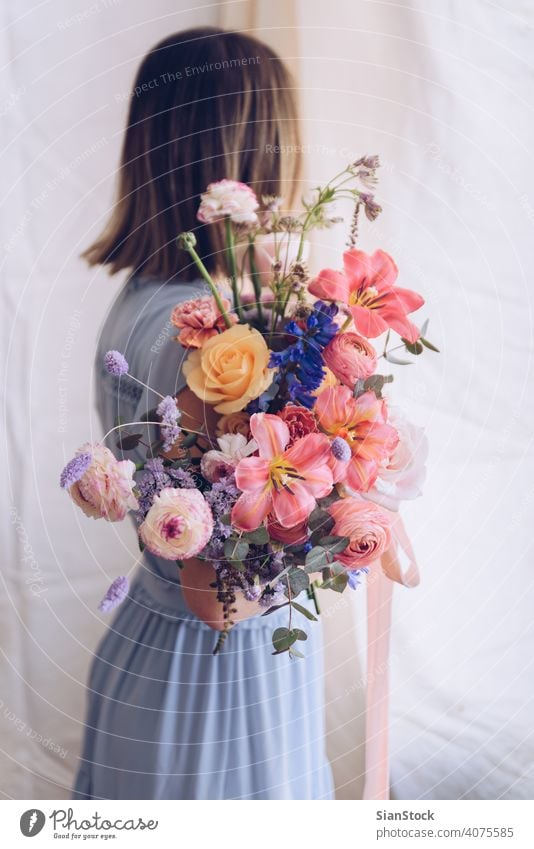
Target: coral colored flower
299, 420
199, 319
350, 357
402, 477
230, 369
367, 287
288, 536
216, 465
234, 423
366, 525
178, 525
105, 488
284, 481
362, 423
228, 199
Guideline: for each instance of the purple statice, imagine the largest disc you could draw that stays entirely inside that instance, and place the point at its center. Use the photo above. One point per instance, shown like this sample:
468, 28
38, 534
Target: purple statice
116, 593
170, 416
116, 363
155, 477
221, 498
273, 595
252, 592
355, 576
340, 448
75, 469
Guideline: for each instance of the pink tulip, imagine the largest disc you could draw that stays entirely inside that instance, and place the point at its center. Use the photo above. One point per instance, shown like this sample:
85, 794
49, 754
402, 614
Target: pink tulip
362, 423
286, 482
367, 287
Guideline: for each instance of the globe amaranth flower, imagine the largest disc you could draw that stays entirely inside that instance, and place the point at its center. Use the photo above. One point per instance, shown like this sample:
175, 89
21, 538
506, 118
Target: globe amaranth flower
116, 593
301, 362
115, 363
170, 416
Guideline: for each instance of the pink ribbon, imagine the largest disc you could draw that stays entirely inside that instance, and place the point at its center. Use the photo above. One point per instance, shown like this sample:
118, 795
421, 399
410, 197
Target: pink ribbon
379, 601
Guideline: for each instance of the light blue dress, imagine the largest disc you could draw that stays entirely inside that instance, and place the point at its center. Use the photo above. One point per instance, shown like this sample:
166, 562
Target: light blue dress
165, 718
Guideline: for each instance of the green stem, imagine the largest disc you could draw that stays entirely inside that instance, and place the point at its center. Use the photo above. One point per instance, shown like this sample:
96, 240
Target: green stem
345, 324
207, 277
256, 282
230, 254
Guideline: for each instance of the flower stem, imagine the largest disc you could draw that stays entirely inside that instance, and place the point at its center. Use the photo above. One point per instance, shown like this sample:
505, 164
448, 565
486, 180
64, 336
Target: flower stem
207, 277
256, 282
230, 253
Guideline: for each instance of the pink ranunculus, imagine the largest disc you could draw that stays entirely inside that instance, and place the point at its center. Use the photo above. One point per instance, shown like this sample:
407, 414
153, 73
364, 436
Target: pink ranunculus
367, 287
283, 481
402, 477
105, 491
178, 525
366, 525
288, 536
350, 357
199, 319
362, 423
228, 199
299, 420
216, 465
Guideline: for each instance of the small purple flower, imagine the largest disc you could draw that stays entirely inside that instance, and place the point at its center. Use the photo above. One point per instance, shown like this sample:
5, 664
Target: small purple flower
115, 594
252, 592
115, 363
273, 595
75, 469
170, 416
341, 449
355, 577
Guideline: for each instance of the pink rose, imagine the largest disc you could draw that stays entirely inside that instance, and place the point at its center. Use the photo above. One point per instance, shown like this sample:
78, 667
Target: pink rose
178, 525
228, 199
199, 319
288, 536
299, 420
366, 525
402, 476
350, 357
105, 490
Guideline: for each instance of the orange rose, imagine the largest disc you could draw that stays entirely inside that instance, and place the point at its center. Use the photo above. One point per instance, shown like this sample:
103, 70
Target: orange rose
230, 369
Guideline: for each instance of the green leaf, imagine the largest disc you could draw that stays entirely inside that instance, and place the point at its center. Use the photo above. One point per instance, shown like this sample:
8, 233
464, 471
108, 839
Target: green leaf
376, 383
304, 610
283, 639
258, 537
391, 358
429, 345
316, 558
275, 607
424, 327
129, 441
318, 518
413, 347
334, 544
301, 635
226, 519
188, 440
235, 549
338, 583
359, 387
293, 652
298, 581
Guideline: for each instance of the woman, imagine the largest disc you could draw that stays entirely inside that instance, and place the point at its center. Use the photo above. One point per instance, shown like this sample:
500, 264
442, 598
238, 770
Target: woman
167, 719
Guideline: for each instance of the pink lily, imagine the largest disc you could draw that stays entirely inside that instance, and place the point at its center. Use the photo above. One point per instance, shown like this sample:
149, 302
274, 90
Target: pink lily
362, 423
367, 287
284, 482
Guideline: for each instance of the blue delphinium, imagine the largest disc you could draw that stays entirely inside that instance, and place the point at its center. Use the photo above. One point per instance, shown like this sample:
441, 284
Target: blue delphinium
301, 363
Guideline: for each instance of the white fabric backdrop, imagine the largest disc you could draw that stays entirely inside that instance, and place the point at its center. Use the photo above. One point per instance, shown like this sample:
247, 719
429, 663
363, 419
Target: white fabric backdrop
441, 91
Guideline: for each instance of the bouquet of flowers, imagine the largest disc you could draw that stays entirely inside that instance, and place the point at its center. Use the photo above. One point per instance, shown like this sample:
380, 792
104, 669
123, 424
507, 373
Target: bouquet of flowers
295, 489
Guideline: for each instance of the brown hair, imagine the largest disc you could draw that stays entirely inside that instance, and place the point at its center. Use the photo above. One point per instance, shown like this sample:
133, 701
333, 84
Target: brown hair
206, 104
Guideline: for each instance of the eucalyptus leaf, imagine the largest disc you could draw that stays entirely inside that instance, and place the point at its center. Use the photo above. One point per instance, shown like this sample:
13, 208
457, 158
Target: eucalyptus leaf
129, 441
293, 652
258, 537
304, 610
391, 358
235, 549
334, 544
301, 635
298, 581
275, 607
283, 638
188, 440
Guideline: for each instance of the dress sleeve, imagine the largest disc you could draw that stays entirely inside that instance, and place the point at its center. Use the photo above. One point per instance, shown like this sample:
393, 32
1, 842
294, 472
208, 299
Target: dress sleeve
139, 326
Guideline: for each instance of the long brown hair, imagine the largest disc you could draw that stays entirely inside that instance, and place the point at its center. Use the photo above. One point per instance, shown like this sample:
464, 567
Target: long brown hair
206, 104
